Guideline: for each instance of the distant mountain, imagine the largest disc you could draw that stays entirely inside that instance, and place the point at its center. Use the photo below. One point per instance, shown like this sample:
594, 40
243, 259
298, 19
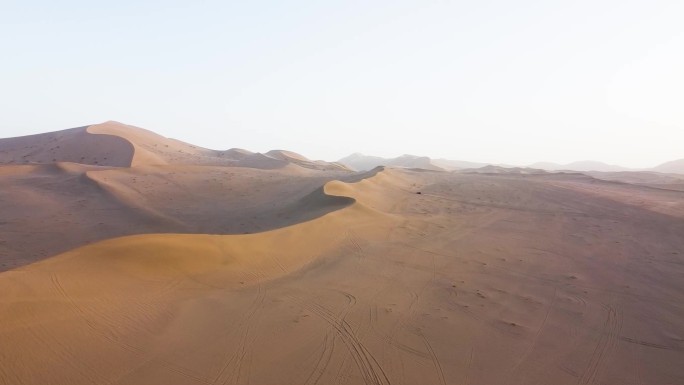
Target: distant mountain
361, 162
548, 166
115, 144
490, 169
302, 161
413, 161
585, 165
449, 164
674, 167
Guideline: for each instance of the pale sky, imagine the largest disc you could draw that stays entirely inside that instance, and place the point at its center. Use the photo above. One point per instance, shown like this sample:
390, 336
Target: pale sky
496, 81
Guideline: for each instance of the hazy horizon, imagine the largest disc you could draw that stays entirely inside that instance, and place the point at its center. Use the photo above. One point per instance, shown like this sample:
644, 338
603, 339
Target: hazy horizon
487, 82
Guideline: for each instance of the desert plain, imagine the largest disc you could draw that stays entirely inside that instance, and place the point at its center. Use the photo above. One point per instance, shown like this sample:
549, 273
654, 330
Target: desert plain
130, 258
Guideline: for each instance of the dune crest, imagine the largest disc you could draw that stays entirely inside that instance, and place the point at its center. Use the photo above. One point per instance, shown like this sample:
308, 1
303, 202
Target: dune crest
114, 144
207, 254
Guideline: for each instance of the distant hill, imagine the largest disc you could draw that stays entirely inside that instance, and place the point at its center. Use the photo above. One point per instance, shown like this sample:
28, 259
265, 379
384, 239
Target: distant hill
548, 166
449, 164
490, 169
116, 144
302, 161
361, 162
585, 165
674, 167
413, 161
669, 181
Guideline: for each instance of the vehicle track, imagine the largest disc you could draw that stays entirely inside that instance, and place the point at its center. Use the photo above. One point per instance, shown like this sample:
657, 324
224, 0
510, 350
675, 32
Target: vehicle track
84, 315
237, 359
466, 381
323, 361
604, 348
435, 360
370, 368
110, 337
535, 340
354, 246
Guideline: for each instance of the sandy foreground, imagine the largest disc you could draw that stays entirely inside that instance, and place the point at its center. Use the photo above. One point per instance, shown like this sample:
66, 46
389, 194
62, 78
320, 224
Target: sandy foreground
479, 279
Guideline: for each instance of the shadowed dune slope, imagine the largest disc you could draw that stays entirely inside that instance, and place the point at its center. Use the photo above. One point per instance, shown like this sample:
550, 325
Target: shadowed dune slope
262, 161
48, 209
73, 145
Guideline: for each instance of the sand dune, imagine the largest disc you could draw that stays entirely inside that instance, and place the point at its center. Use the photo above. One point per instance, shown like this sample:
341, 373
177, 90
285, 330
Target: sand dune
153, 149
148, 276
113, 179
107, 144
237, 153
286, 155
73, 145
48, 209
262, 161
116, 144
479, 279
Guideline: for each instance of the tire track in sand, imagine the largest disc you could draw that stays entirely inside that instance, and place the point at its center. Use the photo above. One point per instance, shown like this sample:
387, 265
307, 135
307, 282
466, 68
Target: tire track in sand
605, 346
85, 316
224, 376
435, 360
466, 381
321, 366
323, 361
540, 330
371, 371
